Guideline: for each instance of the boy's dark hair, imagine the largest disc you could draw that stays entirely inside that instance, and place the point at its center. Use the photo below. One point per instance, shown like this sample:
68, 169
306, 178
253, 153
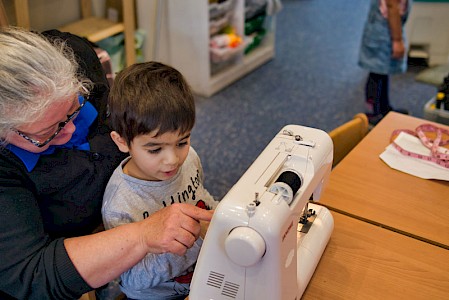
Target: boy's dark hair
150, 96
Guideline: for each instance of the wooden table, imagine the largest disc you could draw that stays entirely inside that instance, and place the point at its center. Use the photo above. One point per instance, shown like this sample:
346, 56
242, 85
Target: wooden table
364, 187
364, 261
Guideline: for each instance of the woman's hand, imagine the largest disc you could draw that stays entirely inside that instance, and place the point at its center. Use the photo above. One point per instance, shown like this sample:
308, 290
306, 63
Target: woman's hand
103, 256
173, 229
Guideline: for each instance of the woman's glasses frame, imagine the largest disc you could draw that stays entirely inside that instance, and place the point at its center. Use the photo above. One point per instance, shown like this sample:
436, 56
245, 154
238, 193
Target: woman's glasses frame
61, 126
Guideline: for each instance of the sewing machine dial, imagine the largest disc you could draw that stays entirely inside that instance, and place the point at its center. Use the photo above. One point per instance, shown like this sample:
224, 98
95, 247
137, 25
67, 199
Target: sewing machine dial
244, 246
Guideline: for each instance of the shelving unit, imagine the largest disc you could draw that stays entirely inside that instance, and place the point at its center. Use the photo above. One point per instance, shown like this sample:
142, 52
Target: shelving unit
188, 36
92, 28
95, 29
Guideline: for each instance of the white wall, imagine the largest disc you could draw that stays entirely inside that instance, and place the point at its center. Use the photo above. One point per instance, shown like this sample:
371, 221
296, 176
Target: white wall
428, 27
152, 19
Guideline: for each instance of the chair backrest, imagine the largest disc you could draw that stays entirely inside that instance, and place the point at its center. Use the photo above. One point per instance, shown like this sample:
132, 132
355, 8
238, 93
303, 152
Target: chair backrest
345, 137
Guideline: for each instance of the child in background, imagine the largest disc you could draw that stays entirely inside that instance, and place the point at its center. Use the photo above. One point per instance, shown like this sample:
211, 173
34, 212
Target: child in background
383, 53
152, 113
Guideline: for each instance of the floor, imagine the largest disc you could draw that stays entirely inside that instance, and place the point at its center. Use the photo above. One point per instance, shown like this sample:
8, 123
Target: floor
314, 81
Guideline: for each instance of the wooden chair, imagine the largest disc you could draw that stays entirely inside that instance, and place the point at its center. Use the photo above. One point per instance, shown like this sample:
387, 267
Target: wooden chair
347, 136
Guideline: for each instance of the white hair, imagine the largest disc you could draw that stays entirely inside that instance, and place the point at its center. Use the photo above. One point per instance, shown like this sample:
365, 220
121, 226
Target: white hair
34, 74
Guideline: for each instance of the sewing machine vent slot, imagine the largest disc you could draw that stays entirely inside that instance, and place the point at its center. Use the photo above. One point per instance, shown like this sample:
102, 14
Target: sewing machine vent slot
215, 279
230, 289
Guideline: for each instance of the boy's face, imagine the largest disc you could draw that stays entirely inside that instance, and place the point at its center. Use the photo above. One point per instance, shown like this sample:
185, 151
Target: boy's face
156, 158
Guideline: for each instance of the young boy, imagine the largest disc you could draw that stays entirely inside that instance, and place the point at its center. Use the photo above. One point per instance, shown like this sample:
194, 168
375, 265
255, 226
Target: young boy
152, 114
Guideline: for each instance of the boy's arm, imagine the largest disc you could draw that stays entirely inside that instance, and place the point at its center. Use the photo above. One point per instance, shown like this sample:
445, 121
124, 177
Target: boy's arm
395, 24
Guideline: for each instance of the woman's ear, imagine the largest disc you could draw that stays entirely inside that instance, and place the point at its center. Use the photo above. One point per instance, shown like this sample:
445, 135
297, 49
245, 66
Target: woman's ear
120, 142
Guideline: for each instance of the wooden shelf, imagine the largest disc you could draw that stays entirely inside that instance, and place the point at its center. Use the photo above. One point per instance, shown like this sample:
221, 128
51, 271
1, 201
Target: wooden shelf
94, 29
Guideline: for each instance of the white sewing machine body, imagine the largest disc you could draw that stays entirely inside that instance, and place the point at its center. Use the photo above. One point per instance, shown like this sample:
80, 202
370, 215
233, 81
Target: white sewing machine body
253, 248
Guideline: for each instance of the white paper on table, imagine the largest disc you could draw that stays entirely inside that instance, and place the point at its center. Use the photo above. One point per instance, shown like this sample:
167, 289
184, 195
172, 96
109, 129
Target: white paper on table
410, 165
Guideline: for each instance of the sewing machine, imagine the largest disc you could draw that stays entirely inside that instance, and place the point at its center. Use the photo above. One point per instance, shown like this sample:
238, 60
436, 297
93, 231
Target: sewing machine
266, 238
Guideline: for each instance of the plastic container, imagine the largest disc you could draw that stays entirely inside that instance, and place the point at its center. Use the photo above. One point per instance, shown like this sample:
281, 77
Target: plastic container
254, 24
431, 113
218, 55
115, 47
254, 40
218, 9
215, 25
254, 7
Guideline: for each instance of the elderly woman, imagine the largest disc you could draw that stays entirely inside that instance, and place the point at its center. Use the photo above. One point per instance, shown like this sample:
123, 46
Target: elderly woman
56, 158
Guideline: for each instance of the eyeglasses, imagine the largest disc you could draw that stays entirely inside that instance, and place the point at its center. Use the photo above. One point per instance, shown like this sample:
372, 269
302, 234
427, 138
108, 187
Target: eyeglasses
60, 127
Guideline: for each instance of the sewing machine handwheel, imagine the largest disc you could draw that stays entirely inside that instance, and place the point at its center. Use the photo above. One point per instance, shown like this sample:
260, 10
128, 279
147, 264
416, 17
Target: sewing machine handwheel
244, 246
